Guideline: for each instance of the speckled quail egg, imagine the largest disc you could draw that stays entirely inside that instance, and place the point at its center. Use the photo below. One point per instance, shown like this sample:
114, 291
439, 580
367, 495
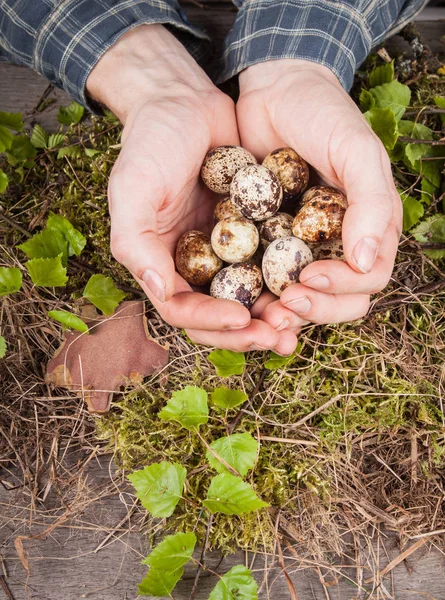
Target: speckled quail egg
195, 259
221, 164
242, 282
283, 262
321, 216
257, 192
235, 240
291, 170
274, 228
331, 250
225, 209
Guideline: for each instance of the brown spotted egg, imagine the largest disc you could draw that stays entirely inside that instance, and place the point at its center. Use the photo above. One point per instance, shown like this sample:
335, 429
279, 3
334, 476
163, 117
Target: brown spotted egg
291, 170
195, 260
331, 250
283, 262
274, 228
235, 240
221, 164
256, 192
321, 215
225, 209
241, 282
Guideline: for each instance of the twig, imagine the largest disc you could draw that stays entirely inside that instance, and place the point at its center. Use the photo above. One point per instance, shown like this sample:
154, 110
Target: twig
399, 559
231, 426
5, 588
422, 291
290, 585
202, 558
408, 140
268, 438
118, 526
425, 111
314, 412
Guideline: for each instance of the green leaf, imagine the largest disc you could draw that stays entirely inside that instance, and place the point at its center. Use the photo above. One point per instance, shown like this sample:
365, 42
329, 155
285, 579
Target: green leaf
414, 152
39, 137
384, 124
382, 74
440, 102
102, 292
189, 407
428, 191
55, 140
224, 397
68, 320
238, 450
172, 553
76, 241
415, 130
431, 231
159, 487
227, 362
71, 114
11, 120
393, 95
412, 211
230, 495
2, 346
10, 280
70, 151
21, 150
6, 138
48, 243
91, 152
47, 272
237, 584
367, 100
3, 181
276, 361
159, 583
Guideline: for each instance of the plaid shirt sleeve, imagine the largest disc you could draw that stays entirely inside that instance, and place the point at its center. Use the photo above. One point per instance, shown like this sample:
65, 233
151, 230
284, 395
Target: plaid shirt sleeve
336, 33
64, 39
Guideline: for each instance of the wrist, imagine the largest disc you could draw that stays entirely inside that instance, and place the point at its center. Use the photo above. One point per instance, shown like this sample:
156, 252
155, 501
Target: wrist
144, 62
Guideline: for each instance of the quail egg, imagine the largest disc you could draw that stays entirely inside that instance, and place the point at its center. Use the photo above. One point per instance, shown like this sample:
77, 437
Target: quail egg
274, 228
221, 164
195, 259
283, 262
241, 282
291, 170
256, 192
225, 209
235, 240
321, 215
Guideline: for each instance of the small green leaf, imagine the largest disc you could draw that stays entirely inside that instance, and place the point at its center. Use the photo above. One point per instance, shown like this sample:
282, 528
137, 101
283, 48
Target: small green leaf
414, 152
2, 346
159, 487
39, 137
3, 181
382, 74
47, 272
415, 130
367, 100
76, 241
440, 102
21, 150
428, 191
237, 584
71, 114
238, 450
189, 407
68, 320
230, 495
393, 95
412, 211
55, 140
11, 120
70, 151
159, 583
275, 361
48, 243
10, 280
227, 362
224, 397
6, 138
172, 553
91, 152
431, 231
102, 292
384, 124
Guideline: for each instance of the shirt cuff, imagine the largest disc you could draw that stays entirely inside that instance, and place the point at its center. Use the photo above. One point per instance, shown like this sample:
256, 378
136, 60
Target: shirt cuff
78, 32
336, 34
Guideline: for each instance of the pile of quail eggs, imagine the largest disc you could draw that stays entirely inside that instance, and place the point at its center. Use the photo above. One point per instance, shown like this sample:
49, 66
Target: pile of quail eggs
258, 242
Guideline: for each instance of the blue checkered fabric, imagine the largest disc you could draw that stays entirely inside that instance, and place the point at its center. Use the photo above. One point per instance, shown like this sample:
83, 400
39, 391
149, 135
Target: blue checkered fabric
64, 39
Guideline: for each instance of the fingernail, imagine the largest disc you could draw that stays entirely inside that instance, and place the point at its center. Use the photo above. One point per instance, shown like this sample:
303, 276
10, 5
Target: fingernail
365, 253
300, 305
254, 347
318, 282
155, 284
284, 323
280, 354
235, 327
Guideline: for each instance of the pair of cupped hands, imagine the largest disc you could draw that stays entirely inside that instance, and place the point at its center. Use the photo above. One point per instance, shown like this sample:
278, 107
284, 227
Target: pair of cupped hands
172, 115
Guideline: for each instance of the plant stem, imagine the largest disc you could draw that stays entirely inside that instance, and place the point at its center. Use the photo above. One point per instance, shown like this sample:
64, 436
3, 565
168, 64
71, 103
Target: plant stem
202, 559
233, 424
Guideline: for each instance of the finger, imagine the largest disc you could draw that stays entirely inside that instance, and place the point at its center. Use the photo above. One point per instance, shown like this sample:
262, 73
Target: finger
287, 343
281, 318
337, 277
257, 134
321, 308
257, 336
259, 306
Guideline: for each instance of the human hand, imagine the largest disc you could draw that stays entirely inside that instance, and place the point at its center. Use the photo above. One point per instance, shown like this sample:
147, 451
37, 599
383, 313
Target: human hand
301, 104
172, 115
